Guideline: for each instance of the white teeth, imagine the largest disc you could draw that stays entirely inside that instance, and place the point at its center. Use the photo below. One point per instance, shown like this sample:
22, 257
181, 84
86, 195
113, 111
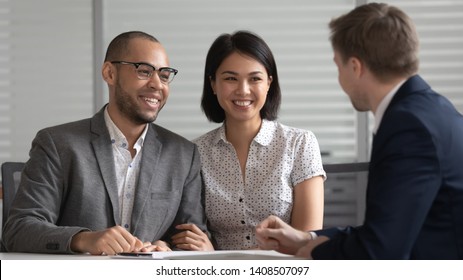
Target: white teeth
242, 103
151, 100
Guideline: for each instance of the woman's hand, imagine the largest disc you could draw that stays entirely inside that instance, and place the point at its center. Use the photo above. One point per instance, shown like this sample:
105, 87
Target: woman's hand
192, 238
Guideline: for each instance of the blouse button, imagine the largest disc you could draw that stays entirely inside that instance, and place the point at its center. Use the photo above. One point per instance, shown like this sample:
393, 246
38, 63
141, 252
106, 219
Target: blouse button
241, 200
243, 222
248, 237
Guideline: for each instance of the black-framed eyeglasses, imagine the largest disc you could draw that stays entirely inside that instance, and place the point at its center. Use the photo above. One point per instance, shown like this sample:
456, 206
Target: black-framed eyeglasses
145, 71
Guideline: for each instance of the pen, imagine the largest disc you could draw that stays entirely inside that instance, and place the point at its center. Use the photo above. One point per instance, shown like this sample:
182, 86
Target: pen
140, 254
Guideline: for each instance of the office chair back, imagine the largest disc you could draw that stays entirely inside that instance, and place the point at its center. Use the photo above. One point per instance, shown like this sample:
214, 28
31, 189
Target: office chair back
345, 191
346, 167
11, 174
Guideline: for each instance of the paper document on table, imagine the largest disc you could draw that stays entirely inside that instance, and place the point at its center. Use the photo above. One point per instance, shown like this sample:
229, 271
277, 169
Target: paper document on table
210, 255
233, 255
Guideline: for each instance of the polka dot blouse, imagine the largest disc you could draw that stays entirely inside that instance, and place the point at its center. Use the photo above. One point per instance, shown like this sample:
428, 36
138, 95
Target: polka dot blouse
279, 158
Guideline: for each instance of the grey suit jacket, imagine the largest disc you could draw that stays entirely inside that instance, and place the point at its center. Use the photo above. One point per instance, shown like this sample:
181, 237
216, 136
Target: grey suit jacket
69, 185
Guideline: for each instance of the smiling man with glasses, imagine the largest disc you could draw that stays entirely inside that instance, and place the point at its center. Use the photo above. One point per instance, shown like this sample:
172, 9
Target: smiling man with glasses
116, 182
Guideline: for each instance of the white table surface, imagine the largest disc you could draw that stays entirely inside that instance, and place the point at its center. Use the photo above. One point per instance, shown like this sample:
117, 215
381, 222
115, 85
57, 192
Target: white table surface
174, 255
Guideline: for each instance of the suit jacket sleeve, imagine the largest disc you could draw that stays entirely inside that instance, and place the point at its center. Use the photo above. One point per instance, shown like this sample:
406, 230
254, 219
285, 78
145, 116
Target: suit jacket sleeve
31, 226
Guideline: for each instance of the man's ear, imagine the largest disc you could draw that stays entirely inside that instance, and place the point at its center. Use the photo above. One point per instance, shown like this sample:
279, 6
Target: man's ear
108, 72
357, 65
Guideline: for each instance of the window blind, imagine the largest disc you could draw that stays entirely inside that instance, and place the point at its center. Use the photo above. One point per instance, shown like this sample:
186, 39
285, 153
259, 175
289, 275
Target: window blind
440, 28
45, 69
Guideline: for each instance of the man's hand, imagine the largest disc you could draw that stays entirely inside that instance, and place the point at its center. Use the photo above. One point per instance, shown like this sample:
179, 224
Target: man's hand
159, 246
106, 242
274, 234
192, 238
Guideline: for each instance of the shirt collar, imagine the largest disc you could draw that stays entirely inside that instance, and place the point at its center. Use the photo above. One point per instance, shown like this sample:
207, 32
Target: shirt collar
266, 132
384, 104
263, 137
118, 138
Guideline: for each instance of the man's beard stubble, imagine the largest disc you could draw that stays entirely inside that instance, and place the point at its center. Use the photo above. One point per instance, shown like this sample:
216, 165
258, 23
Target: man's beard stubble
128, 107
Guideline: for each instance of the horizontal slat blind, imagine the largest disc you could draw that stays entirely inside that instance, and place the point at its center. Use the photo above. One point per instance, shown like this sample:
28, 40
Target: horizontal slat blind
5, 81
440, 27
45, 69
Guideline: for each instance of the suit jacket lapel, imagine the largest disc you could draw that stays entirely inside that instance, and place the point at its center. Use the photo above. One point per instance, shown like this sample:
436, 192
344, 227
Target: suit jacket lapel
152, 148
101, 143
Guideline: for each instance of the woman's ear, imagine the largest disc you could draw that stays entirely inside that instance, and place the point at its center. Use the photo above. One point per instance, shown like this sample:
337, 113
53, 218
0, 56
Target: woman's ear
212, 81
270, 80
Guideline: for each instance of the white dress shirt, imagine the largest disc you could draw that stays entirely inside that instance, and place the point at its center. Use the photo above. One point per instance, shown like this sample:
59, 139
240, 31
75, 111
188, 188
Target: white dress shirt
127, 168
384, 104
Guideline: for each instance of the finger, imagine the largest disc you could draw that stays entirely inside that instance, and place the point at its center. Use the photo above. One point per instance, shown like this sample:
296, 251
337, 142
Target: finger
269, 222
118, 244
268, 243
265, 241
145, 244
139, 244
184, 240
113, 248
199, 244
179, 235
265, 233
127, 241
197, 234
149, 248
108, 242
188, 234
191, 227
162, 249
153, 248
189, 247
158, 245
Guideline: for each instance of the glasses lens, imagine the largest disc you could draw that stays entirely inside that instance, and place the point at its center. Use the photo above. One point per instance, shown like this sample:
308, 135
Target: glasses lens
166, 75
144, 72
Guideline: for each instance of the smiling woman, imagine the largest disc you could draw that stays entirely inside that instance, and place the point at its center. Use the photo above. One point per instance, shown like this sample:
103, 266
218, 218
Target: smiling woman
241, 86
252, 165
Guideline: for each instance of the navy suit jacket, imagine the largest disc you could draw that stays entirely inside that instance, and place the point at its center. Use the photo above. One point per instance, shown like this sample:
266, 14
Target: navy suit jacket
414, 202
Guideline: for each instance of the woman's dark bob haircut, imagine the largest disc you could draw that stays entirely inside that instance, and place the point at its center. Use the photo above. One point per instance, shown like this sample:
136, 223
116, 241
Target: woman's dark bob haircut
249, 44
